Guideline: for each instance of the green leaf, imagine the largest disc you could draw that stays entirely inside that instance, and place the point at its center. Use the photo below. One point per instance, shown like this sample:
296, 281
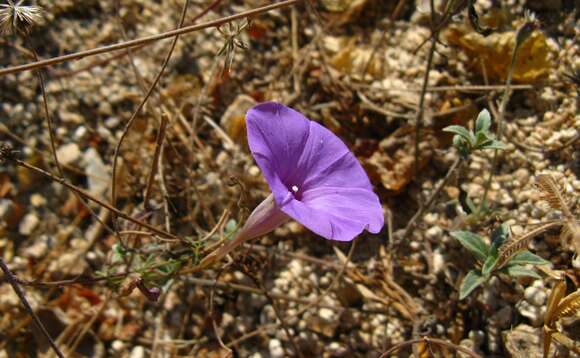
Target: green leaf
461, 145
526, 257
519, 271
462, 132
490, 263
494, 144
482, 138
473, 243
499, 236
483, 122
470, 282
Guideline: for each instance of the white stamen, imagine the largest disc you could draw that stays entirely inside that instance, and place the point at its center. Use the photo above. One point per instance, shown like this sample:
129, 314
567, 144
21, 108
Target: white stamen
294, 188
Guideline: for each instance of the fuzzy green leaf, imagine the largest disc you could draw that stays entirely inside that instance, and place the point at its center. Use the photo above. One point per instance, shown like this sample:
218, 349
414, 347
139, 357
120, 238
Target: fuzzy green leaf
462, 132
483, 138
519, 271
483, 122
526, 257
473, 243
470, 282
489, 263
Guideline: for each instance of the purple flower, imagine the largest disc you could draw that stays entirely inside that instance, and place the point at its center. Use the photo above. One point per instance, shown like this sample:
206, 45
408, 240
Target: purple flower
313, 176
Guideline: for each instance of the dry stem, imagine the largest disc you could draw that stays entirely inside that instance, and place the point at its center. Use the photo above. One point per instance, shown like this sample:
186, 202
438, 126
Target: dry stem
145, 40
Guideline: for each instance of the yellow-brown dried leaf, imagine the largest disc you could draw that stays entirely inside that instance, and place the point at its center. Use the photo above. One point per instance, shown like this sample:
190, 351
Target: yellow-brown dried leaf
533, 62
352, 59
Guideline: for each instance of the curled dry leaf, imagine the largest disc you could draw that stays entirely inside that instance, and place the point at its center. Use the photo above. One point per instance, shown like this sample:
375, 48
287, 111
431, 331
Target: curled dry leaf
560, 307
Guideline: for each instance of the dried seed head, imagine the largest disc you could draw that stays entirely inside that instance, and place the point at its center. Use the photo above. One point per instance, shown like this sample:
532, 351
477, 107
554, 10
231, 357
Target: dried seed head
6, 153
16, 18
530, 25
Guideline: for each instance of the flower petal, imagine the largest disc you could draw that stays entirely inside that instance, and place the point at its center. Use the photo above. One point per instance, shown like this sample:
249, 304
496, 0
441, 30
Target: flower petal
327, 161
337, 213
276, 136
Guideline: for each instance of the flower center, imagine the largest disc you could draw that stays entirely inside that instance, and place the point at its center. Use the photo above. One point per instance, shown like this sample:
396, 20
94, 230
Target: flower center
294, 189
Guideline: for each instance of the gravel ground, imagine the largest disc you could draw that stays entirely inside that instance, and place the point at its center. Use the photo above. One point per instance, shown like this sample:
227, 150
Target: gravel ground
354, 66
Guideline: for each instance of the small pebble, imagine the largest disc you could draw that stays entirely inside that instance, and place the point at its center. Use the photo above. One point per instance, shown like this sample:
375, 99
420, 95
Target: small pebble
275, 348
28, 224
137, 352
68, 153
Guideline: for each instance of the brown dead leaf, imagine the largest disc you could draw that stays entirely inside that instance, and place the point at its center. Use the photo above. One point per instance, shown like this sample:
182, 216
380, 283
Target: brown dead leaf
234, 119
394, 161
495, 52
352, 58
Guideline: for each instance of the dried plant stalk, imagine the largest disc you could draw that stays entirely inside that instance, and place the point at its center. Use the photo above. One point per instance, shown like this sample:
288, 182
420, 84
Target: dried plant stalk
553, 194
559, 307
520, 243
569, 306
556, 197
558, 292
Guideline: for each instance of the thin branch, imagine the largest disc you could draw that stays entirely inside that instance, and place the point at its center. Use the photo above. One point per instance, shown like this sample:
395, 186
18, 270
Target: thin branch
145, 40
431, 200
94, 199
421, 109
52, 138
500, 123
14, 283
155, 162
140, 107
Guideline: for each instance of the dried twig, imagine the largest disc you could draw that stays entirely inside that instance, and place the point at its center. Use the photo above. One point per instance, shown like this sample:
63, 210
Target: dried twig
523, 32
22, 297
422, 96
145, 40
140, 107
155, 161
92, 198
515, 245
431, 200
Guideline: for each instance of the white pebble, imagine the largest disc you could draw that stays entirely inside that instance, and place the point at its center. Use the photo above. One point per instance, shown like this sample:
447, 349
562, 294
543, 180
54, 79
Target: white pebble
275, 348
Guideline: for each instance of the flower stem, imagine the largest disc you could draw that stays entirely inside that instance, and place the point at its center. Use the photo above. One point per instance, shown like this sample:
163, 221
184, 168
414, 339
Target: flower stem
221, 252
